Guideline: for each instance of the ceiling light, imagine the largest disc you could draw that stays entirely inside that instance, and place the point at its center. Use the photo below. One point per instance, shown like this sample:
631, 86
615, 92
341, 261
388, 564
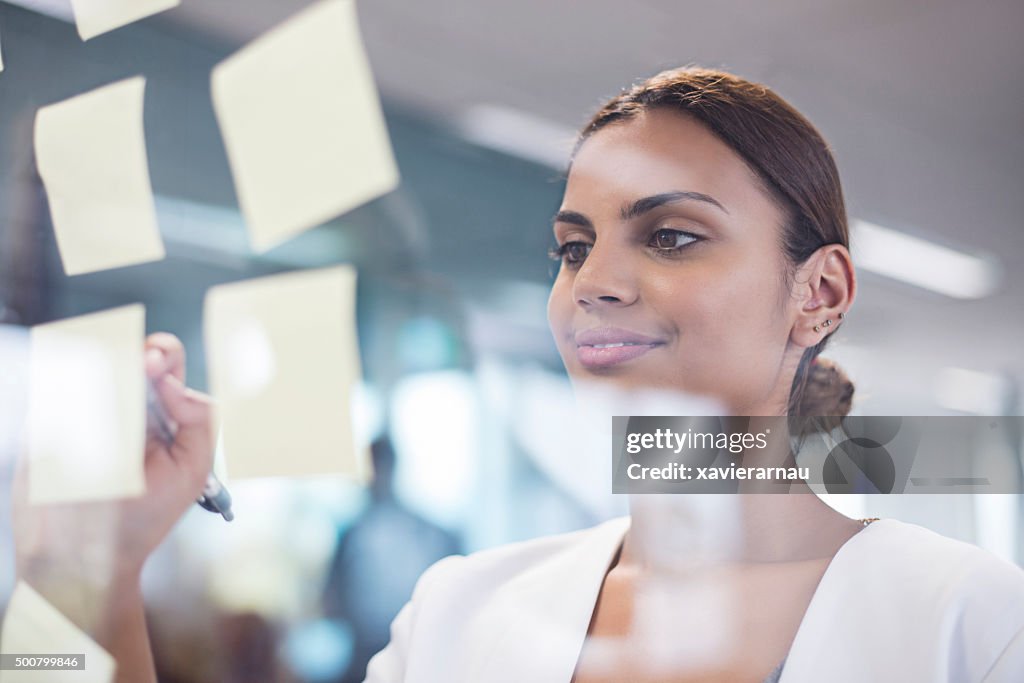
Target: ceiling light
518, 133
972, 391
923, 263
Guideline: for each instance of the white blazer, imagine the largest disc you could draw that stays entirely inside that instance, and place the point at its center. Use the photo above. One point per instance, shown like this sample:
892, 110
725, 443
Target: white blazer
898, 602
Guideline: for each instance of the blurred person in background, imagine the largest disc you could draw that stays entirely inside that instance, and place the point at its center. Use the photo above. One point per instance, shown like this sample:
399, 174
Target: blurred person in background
377, 561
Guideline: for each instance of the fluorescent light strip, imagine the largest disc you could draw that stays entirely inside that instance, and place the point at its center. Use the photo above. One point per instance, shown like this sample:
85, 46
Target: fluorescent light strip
972, 391
518, 134
922, 263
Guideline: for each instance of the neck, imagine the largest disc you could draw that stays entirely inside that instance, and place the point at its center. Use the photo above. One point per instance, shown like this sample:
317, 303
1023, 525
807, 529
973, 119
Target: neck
676, 531
753, 524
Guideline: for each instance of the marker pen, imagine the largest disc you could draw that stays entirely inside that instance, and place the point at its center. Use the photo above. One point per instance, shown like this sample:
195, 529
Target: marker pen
215, 496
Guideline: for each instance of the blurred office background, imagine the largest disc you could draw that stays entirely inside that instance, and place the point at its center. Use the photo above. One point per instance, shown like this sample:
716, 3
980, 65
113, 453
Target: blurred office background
923, 103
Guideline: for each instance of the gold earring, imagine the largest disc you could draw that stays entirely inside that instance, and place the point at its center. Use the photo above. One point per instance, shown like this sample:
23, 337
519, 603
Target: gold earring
828, 323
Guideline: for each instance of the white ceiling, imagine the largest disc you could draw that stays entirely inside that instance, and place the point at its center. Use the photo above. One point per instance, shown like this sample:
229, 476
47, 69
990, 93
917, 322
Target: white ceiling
922, 100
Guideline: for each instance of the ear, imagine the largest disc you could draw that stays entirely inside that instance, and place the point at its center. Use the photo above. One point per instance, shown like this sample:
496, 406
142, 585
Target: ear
825, 287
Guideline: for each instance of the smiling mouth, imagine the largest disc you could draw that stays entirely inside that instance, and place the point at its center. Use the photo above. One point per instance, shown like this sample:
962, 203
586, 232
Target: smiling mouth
596, 356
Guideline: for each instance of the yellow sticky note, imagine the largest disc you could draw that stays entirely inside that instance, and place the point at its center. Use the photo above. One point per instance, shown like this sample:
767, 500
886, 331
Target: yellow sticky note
302, 124
283, 360
87, 407
32, 626
94, 17
91, 156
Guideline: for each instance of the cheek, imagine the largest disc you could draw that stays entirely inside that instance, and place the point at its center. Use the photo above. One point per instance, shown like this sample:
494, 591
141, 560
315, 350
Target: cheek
560, 307
724, 311
700, 299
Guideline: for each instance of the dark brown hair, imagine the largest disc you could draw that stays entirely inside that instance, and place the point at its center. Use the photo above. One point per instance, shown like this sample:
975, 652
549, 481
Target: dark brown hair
795, 166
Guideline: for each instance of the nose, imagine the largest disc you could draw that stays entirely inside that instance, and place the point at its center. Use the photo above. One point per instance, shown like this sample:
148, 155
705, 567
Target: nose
605, 278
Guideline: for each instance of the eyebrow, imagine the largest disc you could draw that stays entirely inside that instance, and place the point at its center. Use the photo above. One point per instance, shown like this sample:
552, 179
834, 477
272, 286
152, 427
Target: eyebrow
642, 206
573, 218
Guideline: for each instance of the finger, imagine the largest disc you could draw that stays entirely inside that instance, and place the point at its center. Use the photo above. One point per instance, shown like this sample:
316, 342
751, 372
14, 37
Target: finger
156, 364
165, 354
187, 407
193, 412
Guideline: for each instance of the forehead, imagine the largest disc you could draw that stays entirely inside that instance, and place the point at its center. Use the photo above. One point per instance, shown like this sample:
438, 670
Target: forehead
662, 151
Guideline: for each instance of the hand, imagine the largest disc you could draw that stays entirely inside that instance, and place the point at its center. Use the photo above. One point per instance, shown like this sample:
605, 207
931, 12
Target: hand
79, 554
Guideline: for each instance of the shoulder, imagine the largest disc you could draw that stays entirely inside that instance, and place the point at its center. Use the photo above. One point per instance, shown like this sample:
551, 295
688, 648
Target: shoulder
901, 602
964, 600
925, 561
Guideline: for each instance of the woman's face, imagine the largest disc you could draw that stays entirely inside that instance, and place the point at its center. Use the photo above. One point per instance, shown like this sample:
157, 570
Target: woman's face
672, 268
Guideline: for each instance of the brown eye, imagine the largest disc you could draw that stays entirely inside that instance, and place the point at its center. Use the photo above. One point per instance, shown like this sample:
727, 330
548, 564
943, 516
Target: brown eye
668, 239
575, 252
571, 253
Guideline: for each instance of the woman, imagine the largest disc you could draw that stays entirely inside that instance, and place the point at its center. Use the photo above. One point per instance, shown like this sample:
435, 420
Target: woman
704, 248
703, 245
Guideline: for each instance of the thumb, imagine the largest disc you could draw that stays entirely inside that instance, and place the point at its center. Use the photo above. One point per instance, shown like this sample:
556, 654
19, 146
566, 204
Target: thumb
193, 412
187, 407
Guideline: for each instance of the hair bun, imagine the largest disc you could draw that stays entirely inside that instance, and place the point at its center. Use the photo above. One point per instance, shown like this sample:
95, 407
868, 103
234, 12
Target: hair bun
828, 392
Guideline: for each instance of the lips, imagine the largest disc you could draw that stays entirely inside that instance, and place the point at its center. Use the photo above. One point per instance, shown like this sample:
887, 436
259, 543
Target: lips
604, 347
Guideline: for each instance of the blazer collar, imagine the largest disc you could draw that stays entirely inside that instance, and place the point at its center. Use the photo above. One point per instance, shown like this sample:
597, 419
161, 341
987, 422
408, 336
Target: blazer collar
542, 616
537, 631
830, 635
